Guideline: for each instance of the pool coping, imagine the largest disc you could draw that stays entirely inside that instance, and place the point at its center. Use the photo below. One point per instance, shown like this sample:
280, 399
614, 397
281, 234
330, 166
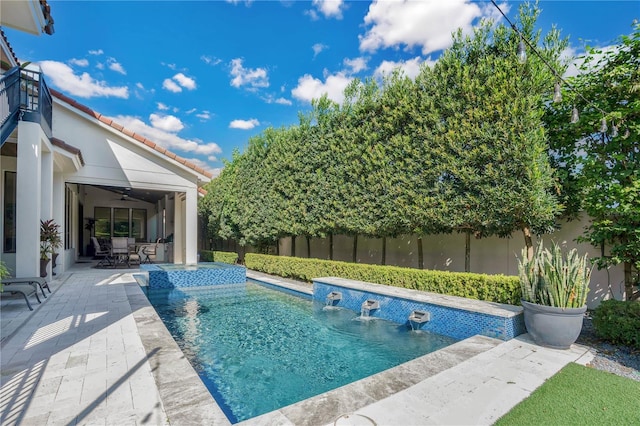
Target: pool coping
186, 400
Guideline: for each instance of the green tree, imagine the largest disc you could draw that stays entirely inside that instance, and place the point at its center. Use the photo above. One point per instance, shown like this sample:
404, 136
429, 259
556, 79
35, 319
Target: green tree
601, 170
495, 175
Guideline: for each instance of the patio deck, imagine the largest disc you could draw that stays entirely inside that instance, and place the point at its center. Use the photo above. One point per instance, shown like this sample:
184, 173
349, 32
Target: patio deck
95, 352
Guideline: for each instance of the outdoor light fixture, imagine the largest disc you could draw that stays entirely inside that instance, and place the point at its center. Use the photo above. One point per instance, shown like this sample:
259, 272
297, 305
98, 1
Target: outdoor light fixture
522, 52
557, 95
574, 116
603, 125
614, 130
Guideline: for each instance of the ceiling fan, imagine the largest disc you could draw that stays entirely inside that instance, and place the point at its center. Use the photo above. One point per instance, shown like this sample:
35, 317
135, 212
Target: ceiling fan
124, 196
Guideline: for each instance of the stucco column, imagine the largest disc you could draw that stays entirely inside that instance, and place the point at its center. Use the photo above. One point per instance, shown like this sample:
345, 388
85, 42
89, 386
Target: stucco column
58, 212
190, 217
28, 200
178, 229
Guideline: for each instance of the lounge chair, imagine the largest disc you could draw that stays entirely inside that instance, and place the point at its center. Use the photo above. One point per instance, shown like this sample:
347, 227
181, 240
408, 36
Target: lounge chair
18, 288
33, 281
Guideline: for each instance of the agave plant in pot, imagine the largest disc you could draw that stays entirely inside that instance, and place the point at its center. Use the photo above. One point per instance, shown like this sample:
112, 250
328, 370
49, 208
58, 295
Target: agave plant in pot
554, 295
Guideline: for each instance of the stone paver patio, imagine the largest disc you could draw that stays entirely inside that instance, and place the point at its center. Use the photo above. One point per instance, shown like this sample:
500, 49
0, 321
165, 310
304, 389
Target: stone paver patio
95, 353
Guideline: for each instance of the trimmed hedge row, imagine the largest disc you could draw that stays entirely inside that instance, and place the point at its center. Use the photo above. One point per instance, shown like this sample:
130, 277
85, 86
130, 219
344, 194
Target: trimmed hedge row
493, 288
618, 322
218, 256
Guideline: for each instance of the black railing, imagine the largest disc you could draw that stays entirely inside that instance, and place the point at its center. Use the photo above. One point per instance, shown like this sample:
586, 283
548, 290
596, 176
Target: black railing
9, 102
24, 95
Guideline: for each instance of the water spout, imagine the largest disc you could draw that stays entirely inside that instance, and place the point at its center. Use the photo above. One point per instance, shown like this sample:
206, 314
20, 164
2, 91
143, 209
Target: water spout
368, 306
418, 317
333, 298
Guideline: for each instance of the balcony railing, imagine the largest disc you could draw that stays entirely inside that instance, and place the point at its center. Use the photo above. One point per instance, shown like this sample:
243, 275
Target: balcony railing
24, 95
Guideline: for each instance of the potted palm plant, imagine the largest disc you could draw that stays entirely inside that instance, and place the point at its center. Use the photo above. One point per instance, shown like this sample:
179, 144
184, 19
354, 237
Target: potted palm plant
554, 295
4, 272
49, 240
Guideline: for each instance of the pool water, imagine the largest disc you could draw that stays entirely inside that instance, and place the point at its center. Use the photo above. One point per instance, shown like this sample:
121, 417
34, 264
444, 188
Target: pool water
258, 349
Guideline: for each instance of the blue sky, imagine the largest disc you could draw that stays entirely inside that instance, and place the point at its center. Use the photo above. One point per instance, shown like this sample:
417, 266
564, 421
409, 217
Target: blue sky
201, 77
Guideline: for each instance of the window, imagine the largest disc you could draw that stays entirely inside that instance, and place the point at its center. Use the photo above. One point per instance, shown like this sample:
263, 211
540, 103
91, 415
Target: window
120, 222
102, 215
126, 223
9, 237
139, 224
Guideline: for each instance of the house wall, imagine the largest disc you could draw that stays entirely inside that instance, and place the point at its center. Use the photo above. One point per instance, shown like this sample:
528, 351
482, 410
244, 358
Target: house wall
447, 252
112, 159
6, 164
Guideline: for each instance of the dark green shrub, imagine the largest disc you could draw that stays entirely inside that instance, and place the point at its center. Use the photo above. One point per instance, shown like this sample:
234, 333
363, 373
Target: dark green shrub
618, 322
218, 256
494, 288
225, 257
206, 256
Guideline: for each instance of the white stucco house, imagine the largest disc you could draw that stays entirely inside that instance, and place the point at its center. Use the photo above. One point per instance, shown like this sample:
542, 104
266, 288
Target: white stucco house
61, 160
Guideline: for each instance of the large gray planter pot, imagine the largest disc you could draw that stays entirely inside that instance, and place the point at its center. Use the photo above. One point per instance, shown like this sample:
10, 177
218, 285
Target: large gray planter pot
552, 327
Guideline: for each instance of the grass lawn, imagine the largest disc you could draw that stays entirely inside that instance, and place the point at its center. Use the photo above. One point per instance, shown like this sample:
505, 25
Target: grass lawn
579, 395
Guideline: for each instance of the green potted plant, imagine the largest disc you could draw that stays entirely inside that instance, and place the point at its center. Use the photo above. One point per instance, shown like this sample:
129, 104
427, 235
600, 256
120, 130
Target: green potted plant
554, 295
49, 240
4, 272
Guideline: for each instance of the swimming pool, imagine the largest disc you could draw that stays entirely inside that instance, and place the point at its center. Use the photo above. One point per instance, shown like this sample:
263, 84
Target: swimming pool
258, 349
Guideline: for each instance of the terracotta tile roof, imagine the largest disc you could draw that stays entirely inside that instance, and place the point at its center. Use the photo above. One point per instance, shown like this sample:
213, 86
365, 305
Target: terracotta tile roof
72, 149
129, 133
13, 54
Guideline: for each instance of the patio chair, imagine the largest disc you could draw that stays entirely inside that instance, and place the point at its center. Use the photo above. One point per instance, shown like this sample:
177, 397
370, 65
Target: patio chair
18, 288
101, 251
120, 251
134, 256
148, 251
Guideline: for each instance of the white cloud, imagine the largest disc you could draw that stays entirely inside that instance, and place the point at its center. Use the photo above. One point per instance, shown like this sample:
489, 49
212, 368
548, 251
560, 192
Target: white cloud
411, 68
177, 82
161, 106
204, 115
576, 59
171, 86
100, 65
215, 172
79, 62
244, 124
270, 99
254, 78
318, 48
168, 123
309, 88
283, 101
184, 81
427, 24
139, 86
330, 8
356, 64
166, 139
97, 52
210, 60
63, 77
116, 66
